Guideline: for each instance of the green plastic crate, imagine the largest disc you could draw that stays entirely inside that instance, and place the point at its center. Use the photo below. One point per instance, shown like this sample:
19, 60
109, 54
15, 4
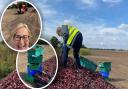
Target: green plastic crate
32, 59
104, 66
34, 66
28, 78
103, 69
36, 51
88, 63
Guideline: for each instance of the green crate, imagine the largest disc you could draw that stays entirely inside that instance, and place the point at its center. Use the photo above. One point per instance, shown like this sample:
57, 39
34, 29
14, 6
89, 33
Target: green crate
36, 51
103, 69
28, 78
88, 63
34, 66
104, 66
32, 59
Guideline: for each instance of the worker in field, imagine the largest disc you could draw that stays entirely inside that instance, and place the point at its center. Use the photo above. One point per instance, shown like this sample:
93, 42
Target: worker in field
23, 9
72, 38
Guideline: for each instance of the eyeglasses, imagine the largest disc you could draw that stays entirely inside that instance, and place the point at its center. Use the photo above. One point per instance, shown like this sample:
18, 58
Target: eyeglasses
24, 37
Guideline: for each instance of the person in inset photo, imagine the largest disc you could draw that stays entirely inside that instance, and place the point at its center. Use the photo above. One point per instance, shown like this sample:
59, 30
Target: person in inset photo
20, 37
21, 25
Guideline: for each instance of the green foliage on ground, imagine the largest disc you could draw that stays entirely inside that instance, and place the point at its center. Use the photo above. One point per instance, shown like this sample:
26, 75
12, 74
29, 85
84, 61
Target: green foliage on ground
7, 60
54, 41
85, 51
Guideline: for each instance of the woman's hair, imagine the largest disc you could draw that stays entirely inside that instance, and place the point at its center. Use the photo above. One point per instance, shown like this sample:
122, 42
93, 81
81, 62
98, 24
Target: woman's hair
20, 25
13, 33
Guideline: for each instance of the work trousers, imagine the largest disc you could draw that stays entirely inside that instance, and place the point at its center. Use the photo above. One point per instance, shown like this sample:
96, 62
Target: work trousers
76, 49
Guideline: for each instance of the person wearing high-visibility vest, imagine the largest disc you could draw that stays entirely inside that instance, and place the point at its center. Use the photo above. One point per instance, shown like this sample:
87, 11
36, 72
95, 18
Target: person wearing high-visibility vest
72, 38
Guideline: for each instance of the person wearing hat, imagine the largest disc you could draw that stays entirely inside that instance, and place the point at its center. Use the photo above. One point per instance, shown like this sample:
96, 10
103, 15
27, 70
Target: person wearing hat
72, 38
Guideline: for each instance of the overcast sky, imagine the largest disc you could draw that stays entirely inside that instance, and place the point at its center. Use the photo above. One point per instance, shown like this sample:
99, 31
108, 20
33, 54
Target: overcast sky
103, 23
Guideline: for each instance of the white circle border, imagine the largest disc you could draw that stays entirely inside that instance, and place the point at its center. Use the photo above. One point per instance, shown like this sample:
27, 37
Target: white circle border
39, 19
52, 77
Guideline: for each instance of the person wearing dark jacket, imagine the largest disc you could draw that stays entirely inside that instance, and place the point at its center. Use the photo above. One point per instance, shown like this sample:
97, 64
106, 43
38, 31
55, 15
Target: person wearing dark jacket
72, 38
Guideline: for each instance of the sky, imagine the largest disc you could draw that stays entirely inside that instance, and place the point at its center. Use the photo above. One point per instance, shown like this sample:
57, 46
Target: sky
103, 23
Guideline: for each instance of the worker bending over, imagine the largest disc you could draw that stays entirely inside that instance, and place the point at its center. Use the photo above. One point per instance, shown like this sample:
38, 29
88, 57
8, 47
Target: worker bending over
72, 38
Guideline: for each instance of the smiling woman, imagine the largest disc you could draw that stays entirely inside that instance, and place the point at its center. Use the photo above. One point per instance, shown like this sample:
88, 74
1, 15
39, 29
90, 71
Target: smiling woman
20, 37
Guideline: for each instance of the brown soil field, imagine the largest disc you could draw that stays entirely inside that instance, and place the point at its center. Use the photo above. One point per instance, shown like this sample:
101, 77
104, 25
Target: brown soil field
11, 19
119, 59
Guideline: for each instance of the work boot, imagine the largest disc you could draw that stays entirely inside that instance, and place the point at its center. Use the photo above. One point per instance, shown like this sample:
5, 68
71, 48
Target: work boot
64, 66
77, 66
80, 67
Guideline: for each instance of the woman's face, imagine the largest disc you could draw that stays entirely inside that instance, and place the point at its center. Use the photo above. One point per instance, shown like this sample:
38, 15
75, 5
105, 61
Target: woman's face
21, 39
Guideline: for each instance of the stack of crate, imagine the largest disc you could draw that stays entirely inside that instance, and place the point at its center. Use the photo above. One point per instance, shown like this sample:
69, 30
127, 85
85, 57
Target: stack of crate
35, 57
104, 69
86, 63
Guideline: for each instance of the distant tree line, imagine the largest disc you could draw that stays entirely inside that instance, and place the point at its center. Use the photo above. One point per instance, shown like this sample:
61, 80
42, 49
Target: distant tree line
83, 46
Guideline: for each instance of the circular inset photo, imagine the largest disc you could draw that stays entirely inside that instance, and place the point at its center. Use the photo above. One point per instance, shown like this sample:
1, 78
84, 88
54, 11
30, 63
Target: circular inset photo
21, 25
38, 66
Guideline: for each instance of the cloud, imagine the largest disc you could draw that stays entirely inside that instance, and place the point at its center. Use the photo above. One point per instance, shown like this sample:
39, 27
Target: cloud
96, 34
3, 5
112, 2
94, 4
123, 27
86, 4
69, 22
47, 10
45, 7
102, 36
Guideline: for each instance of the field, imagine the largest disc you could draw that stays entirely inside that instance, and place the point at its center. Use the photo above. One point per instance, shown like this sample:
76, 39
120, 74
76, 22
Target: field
119, 59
